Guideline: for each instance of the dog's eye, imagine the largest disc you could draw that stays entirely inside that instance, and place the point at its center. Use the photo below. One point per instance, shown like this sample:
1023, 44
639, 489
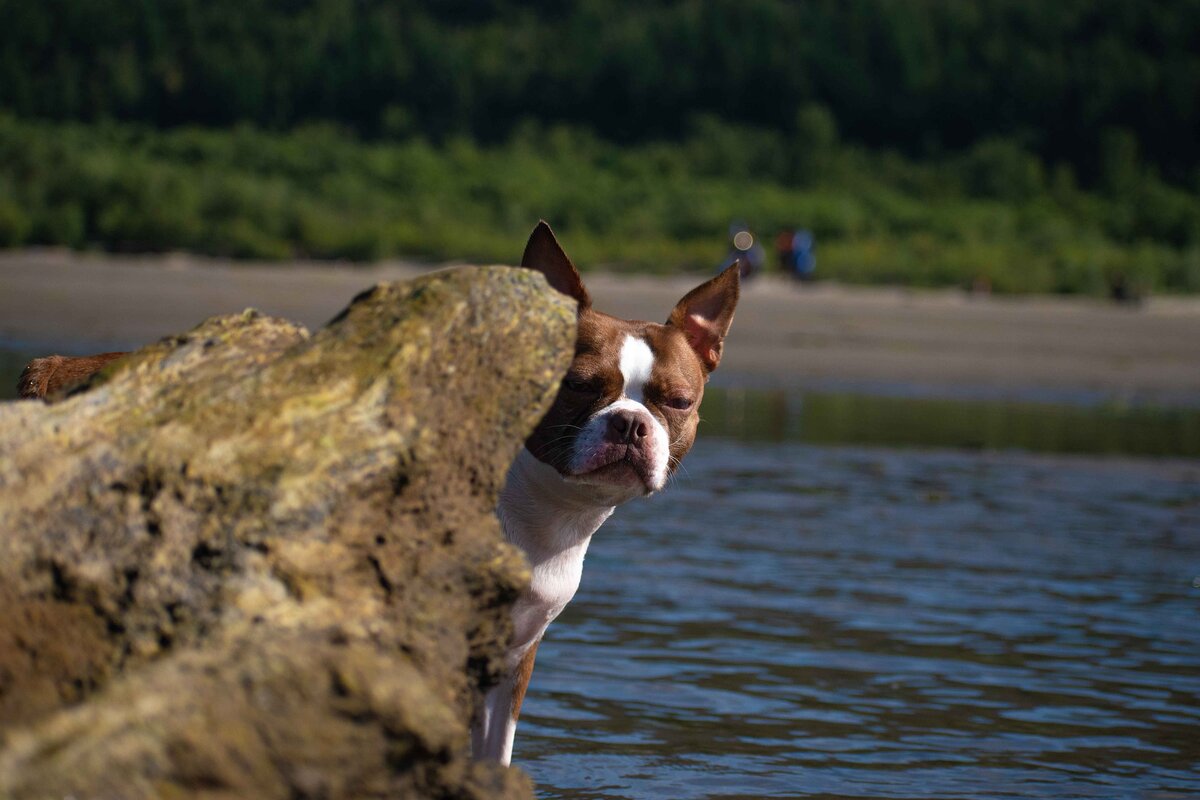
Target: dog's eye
577, 385
679, 402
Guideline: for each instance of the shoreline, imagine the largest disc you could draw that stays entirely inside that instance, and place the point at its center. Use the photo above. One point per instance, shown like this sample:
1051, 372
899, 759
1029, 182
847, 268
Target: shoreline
873, 340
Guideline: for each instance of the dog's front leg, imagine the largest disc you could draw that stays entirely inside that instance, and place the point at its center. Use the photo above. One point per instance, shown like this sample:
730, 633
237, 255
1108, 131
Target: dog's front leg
492, 736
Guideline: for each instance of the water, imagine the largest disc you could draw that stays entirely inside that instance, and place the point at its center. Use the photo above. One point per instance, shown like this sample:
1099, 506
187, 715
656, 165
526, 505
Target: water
896, 419
862, 596
800, 621
11, 364
912, 419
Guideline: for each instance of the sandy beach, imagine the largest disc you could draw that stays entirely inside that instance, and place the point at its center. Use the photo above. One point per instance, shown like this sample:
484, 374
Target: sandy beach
823, 336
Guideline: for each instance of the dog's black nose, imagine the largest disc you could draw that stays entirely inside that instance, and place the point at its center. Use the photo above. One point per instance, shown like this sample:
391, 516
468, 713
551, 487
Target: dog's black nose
626, 427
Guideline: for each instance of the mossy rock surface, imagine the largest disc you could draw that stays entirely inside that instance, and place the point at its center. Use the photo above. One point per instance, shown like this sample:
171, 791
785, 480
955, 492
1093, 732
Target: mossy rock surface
248, 561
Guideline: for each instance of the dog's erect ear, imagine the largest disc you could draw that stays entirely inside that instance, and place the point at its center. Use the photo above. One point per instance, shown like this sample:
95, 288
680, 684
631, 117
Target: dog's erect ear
544, 254
704, 315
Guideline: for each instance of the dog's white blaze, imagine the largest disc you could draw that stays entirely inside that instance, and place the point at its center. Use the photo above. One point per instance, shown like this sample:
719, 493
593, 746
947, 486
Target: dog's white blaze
636, 363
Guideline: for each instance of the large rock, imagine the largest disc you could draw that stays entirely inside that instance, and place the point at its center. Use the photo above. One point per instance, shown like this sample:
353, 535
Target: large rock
251, 562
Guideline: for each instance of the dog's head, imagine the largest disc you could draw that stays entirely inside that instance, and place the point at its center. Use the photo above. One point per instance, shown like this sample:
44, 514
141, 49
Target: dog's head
627, 411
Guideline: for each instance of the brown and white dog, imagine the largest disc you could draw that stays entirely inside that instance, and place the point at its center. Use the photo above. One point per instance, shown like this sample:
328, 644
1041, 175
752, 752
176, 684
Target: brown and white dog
624, 418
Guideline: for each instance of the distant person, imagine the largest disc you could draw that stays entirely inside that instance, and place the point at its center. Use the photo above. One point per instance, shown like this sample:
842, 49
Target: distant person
744, 248
783, 250
804, 258
980, 286
1121, 291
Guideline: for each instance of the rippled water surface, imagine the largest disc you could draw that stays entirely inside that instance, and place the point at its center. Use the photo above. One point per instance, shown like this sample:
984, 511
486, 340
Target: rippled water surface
807, 614
792, 620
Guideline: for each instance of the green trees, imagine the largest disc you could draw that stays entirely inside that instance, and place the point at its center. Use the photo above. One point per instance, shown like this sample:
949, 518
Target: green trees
1041, 145
989, 213
923, 76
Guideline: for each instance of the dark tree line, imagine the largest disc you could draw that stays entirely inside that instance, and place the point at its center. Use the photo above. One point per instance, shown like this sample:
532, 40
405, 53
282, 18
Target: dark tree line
1060, 77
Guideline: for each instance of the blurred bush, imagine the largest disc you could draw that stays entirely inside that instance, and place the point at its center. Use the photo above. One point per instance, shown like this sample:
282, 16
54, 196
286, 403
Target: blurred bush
988, 214
1024, 144
1082, 82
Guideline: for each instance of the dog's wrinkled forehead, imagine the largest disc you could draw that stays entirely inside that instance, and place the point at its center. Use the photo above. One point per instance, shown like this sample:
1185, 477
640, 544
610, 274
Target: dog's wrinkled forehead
638, 352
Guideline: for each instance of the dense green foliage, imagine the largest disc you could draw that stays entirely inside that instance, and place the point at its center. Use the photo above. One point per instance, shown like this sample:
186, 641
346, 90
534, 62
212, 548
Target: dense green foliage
989, 212
1041, 145
923, 76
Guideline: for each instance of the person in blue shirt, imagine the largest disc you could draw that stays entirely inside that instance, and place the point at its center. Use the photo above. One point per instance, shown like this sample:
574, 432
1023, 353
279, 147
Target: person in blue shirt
804, 259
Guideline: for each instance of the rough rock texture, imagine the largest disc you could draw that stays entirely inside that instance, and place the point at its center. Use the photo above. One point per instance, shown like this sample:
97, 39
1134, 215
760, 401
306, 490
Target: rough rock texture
251, 562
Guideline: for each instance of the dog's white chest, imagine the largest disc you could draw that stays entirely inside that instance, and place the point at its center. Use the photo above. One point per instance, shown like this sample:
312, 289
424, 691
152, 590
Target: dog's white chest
554, 582
541, 515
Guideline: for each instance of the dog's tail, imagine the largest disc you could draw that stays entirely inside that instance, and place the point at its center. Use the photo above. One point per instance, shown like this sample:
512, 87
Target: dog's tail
55, 375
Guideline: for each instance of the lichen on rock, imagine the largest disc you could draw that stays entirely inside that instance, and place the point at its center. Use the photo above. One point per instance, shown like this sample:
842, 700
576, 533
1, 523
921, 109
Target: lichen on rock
247, 561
